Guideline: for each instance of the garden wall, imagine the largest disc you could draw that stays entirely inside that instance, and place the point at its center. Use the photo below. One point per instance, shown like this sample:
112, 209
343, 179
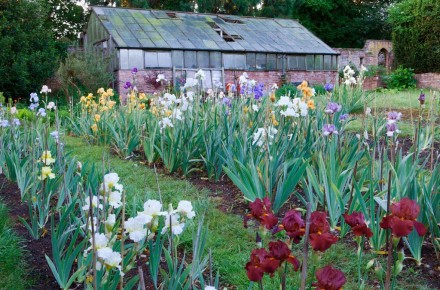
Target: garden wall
270, 77
428, 80
146, 79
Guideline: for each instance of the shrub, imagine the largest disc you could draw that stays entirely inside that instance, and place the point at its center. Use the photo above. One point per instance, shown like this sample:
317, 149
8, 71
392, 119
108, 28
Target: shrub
401, 78
286, 90
84, 71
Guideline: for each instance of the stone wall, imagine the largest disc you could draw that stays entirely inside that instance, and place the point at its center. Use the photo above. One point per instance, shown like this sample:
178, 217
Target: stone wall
368, 55
428, 80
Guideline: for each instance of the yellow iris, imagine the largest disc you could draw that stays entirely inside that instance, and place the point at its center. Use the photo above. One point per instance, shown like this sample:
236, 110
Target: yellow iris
46, 158
46, 172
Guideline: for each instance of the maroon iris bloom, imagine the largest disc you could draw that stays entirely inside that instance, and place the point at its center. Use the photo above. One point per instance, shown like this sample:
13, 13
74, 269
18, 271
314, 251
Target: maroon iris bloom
262, 212
279, 253
356, 221
294, 225
329, 279
403, 218
320, 237
254, 268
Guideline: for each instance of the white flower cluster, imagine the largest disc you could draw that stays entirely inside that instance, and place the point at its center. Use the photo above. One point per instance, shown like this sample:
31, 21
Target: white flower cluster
292, 107
172, 108
105, 253
111, 189
264, 135
349, 76
145, 224
200, 75
160, 78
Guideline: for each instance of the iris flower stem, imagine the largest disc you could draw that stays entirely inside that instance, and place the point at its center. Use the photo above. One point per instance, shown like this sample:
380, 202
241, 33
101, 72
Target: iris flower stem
306, 247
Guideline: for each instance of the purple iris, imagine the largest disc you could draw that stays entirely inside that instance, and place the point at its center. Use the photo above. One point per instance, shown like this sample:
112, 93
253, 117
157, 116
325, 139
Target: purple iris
16, 122
343, 117
127, 85
422, 98
227, 102
393, 117
332, 108
4, 123
258, 91
134, 70
233, 88
391, 128
329, 129
328, 87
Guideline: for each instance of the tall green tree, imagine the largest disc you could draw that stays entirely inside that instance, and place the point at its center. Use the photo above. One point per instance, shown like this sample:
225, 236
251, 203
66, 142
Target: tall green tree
416, 34
28, 51
345, 23
66, 18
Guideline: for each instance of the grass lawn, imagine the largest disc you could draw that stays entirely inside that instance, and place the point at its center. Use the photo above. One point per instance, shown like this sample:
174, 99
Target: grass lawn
405, 102
12, 256
230, 243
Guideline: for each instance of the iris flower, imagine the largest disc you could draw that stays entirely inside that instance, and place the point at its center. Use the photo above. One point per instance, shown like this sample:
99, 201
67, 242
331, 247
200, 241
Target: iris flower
403, 218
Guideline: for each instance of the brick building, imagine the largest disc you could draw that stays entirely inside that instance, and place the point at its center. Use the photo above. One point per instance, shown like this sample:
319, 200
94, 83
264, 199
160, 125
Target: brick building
177, 44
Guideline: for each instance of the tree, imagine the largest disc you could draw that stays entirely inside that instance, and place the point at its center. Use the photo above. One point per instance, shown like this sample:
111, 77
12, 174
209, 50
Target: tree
66, 18
345, 23
28, 54
416, 34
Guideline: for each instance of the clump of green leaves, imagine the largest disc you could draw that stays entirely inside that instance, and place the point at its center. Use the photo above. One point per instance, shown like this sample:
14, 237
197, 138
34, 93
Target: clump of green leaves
401, 78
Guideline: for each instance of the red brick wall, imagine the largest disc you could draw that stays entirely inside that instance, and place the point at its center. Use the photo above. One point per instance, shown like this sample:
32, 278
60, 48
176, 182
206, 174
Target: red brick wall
371, 83
145, 79
428, 80
270, 77
266, 77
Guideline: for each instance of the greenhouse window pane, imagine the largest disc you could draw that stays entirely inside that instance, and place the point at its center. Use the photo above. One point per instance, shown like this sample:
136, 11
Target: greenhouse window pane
234, 61
318, 62
215, 59
327, 62
203, 59
123, 58
250, 61
261, 62
177, 57
334, 62
190, 59
164, 59
310, 62
135, 58
271, 61
301, 62
293, 62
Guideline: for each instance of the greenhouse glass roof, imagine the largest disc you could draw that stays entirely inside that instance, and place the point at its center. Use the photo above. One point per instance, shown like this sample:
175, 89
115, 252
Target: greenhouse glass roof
156, 29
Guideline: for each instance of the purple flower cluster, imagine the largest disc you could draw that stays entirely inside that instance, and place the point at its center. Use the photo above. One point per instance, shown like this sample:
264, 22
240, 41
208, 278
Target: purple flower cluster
127, 85
332, 108
422, 98
257, 90
34, 101
392, 118
134, 70
343, 117
227, 102
329, 129
328, 87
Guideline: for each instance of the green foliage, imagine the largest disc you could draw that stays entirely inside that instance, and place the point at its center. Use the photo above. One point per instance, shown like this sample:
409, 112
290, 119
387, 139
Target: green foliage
28, 54
66, 18
83, 71
416, 29
401, 78
286, 90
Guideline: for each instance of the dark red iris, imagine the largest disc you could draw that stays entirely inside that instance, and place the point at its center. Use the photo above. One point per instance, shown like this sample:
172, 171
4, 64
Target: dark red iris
320, 237
403, 218
329, 279
262, 262
280, 251
356, 221
293, 224
261, 211
254, 268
